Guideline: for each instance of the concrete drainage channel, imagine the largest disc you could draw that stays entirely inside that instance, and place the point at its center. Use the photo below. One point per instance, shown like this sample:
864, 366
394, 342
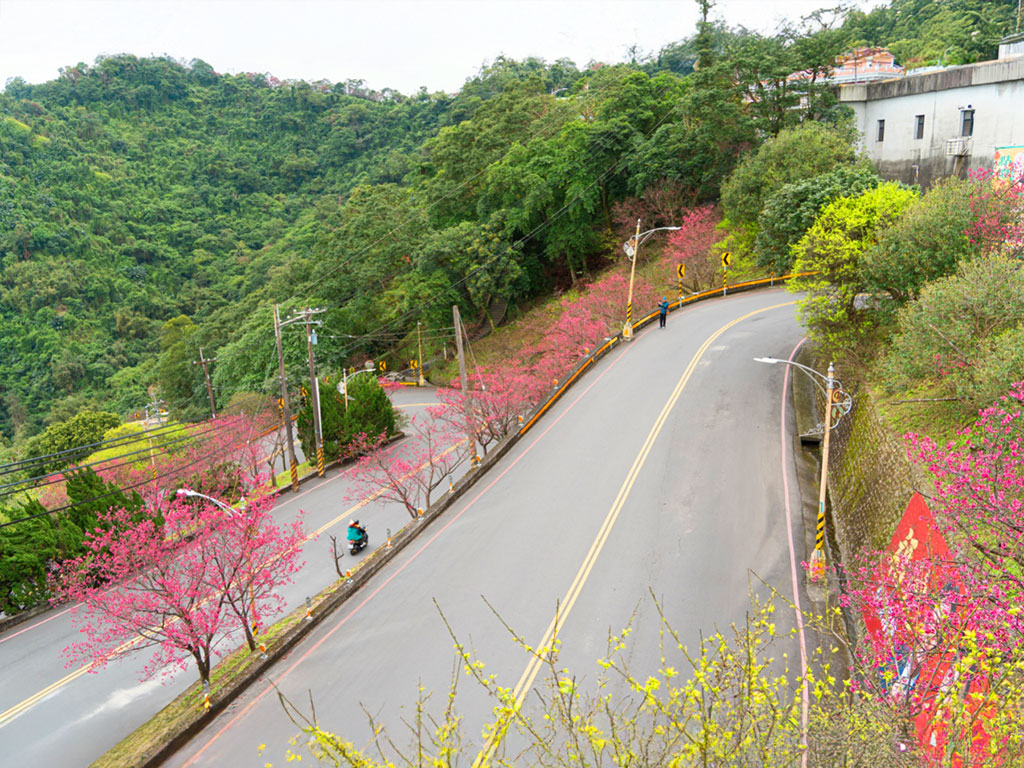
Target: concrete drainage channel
335, 596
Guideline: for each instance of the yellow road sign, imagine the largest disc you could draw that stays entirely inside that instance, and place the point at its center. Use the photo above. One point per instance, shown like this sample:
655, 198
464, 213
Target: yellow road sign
681, 270
725, 258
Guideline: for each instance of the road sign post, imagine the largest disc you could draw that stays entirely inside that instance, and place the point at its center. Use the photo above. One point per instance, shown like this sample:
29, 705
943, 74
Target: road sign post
681, 272
725, 271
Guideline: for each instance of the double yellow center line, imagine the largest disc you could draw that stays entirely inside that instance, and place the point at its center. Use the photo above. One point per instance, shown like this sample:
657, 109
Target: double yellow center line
538, 658
31, 701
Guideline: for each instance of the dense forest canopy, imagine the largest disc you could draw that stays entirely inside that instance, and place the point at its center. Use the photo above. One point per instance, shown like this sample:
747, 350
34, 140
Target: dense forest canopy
150, 207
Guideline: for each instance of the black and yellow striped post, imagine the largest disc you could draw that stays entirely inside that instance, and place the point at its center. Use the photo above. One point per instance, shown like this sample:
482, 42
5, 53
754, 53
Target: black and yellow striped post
726, 260
320, 460
817, 569
295, 474
631, 249
681, 273
206, 694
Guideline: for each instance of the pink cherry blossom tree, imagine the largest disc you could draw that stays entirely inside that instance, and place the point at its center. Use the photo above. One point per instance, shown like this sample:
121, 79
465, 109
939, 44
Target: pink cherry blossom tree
173, 582
253, 557
979, 486
945, 633
997, 208
493, 407
691, 245
410, 471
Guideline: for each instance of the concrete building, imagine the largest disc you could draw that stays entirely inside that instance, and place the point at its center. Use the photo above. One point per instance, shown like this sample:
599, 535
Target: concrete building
925, 126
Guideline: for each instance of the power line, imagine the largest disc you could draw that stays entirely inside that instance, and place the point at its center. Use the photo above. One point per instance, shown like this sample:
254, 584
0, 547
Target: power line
113, 442
57, 477
382, 331
153, 479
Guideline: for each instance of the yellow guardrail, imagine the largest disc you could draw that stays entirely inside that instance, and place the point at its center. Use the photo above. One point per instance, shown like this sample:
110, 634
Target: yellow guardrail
601, 351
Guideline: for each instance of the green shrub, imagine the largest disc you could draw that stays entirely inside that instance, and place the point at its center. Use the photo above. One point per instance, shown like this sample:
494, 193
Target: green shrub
790, 212
964, 335
835, 311
369, 409
332, 414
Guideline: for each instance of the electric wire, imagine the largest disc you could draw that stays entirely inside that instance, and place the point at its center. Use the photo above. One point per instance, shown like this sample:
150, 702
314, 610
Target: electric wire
52, 478
416, 311
614, 167
114, 442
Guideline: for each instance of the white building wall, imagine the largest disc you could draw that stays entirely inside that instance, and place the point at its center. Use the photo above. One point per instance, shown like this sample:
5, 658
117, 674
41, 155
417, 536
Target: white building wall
994, 90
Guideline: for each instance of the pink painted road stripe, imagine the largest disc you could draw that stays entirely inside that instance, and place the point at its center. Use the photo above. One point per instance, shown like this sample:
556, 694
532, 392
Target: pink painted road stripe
804, 695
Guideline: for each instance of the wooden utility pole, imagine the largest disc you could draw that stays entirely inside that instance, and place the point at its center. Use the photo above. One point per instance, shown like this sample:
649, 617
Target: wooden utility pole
285, 404
462, 380
314, 388
209, 388
419, 361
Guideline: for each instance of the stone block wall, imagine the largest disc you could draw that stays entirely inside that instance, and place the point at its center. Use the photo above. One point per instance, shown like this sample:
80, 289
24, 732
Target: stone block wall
870, 481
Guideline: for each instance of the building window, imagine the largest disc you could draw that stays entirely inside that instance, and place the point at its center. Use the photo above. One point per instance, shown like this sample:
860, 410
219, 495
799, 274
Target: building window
881, 131
967, 122
919, 127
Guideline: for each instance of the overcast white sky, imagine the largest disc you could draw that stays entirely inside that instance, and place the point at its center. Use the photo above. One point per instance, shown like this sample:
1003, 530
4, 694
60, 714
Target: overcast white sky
401, 44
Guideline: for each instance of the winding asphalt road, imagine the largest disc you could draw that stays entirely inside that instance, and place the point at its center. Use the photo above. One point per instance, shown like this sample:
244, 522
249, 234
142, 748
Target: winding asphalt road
52, 716
661, 470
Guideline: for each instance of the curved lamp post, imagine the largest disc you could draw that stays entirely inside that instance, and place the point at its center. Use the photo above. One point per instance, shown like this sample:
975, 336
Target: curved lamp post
232, 512
217, 502
343, 384
837, 404
632, 247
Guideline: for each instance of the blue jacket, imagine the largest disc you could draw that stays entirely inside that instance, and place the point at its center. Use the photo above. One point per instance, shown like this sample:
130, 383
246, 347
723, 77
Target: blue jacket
354, 533
663, 306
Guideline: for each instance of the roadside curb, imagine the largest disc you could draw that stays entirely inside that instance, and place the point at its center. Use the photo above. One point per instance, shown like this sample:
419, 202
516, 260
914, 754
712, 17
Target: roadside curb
339, 593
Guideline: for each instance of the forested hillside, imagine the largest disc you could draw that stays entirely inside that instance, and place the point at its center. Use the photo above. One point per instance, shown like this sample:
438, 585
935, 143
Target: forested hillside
149, 207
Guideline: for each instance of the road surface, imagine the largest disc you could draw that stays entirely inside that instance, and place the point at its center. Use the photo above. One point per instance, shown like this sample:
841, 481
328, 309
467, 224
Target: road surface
661, 470
52, 716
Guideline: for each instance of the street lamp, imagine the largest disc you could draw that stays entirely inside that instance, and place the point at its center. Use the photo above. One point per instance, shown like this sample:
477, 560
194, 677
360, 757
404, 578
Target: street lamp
232, 512
837, 404
343, 384
182, 492
632, 247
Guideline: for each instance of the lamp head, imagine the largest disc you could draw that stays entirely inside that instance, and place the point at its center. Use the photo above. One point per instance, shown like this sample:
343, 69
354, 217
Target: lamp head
769, 360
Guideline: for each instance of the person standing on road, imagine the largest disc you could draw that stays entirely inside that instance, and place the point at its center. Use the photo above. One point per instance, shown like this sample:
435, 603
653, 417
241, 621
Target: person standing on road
662, 311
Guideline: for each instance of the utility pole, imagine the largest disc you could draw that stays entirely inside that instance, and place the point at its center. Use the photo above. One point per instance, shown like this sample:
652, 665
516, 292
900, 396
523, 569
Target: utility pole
463, 382
419, 361
314, 387
817, 568
286, 404
155, 405
627, 329
209, 388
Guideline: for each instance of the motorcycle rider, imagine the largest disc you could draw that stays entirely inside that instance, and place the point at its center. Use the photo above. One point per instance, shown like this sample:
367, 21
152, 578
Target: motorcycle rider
356, 532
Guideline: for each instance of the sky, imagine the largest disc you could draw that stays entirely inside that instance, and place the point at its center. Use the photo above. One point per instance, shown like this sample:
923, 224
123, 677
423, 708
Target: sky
399, 44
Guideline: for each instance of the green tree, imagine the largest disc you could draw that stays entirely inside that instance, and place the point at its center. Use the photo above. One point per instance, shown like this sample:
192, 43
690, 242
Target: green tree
69, 441
180, 381
90, 497
795, 154
928, 241
962, 336
837, 314
791, 210
29, 549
